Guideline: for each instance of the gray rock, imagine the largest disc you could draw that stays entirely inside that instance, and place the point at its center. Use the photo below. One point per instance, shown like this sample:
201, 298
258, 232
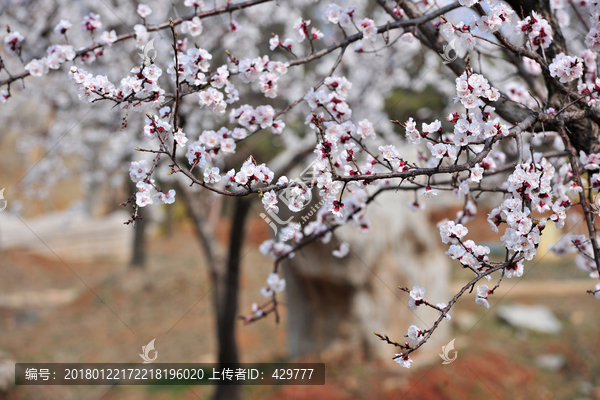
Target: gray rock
552, 362
70, 235
585, 388
336, 304
7, 375
536, 318
465, 320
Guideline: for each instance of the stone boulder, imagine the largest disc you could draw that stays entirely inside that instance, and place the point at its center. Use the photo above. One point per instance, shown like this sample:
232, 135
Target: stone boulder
335, 305
72, 236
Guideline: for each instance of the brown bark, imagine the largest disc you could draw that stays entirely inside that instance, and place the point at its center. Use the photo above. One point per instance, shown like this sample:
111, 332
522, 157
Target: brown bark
138, 256
225, 280
227, 298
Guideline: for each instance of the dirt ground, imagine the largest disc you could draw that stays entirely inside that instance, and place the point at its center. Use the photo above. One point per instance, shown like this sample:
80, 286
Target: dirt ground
116, 310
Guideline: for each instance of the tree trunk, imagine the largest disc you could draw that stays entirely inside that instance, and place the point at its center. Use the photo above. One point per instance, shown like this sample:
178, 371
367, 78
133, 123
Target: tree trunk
226, 298
168, 225
225, 280
138, 256
138, 259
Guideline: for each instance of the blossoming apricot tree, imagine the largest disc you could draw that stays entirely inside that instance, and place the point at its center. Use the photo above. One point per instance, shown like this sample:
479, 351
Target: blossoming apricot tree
539, 130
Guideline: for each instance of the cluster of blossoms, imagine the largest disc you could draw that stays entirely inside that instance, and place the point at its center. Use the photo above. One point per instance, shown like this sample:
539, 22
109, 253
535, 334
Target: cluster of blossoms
467, 40
592, 39
339, 145
469, 254
591, 85
538, 32
336, 14
566, 68
142, 84
192, 66
251, 174
62, 27
415, 335
91, 22
472, 89
590, 162
57, 54
369, 29
498, 14
301, 29
482, 296
139, 174
221, 141
254, 119
267, 72
156, 125
141, 35
211, 144
274, 285
248, 176
213, 100
295, 196
530, 188
12, 43
333, 212
192, 27
333, 102
275, 42
471, 130
276, 248
392, 157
